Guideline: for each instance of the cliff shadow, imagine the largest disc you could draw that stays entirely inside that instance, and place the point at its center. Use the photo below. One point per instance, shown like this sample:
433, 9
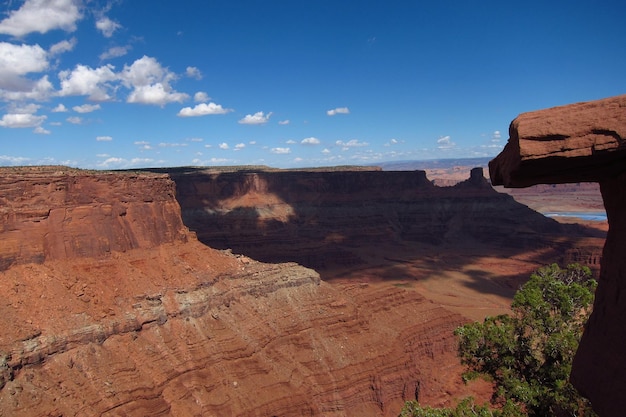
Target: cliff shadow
342, 220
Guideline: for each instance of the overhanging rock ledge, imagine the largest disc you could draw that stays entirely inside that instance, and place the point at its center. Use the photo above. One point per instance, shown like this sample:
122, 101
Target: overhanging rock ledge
583, 142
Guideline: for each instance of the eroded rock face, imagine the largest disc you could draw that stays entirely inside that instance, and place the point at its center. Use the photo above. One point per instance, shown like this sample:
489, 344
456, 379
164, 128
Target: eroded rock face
49, 214
111, 307
320, 219
584, 142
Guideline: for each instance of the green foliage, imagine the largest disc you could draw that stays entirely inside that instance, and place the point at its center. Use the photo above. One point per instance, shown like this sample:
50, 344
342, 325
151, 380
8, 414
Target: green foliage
528, 355
465, 408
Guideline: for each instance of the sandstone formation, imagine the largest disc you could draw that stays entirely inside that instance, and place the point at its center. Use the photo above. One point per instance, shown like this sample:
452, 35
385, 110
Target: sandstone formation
584, 142
111, 307
322, 219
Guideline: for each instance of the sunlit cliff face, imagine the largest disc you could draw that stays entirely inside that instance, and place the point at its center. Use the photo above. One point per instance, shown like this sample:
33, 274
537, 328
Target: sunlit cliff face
253, 195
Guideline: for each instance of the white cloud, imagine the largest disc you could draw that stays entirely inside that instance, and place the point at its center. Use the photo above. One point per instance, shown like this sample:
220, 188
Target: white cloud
283, 122
326, 151
144, 145
280, 151
310, 141
291, 142
353, 143
41, 16
257, 118
86, 81
18, 60
338, 110
445, 143
86, 108
75, 120
193, 72
60, 108
201, 97
63, 46
41, 131
27, 90
21, 120
496, 136
150, 83
203, 109
223, 145
195, 140
104, 138
114, 52
240, 146
159, 94
107, 26
13, 160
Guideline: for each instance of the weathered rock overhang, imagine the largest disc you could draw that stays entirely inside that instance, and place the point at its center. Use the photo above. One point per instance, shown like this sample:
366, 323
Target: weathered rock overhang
583, 142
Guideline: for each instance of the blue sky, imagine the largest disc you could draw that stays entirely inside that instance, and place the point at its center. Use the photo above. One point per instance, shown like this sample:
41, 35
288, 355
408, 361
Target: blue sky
285, 83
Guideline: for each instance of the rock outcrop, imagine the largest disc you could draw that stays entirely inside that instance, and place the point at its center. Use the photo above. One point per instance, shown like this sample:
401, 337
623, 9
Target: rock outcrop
321, 218
584, 142
60, 213
110, 306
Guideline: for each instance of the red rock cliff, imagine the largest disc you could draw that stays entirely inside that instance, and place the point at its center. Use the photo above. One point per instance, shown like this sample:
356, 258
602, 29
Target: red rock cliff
110, 307
320, 218
52, 214
584, 142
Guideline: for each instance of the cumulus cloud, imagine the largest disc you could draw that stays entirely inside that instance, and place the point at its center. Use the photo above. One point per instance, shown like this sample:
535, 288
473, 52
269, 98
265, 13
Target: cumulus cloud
283, 122
224, 146
41, 131
310, 141
203, 109
291, 142
63, 46
17, 61
41, 16
193, 72
107, 26
445, 143
158, 94
150, 83
114, 52
280, 151
104, 138
21, 120
326, 151
257, 118
353, 143
60, 108
86, 108
338, 110
201, 97
240, 146
87, 81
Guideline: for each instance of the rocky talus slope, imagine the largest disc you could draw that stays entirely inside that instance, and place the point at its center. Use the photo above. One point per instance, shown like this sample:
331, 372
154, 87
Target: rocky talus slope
111, 307
584, 142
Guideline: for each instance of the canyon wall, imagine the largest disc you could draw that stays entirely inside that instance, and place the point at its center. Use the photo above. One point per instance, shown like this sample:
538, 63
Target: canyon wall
584, 142
48, 214
321, 219
110, 306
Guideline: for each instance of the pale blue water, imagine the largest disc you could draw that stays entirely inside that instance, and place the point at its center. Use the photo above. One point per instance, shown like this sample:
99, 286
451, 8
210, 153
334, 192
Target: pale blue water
597, 216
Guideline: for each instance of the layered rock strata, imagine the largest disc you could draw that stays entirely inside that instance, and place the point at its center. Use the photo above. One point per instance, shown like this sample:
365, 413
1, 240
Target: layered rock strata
59, 213
321, 219
110, 306
584, 142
